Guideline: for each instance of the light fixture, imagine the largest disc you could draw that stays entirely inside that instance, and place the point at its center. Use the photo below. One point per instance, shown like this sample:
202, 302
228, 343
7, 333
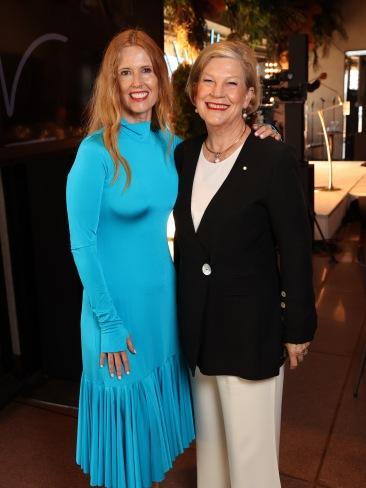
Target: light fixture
346, 107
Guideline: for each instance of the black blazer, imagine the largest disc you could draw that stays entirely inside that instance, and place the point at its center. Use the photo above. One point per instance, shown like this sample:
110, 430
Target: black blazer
239, 299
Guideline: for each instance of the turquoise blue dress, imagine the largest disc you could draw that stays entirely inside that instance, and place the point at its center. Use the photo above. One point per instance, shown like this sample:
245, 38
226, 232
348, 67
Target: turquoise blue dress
129, 430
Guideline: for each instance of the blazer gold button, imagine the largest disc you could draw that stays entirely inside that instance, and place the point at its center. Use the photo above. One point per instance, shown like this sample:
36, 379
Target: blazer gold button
283, 305
206, 269
283, 294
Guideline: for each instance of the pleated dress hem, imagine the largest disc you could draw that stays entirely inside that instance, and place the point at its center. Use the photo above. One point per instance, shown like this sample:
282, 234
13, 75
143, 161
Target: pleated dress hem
129, 436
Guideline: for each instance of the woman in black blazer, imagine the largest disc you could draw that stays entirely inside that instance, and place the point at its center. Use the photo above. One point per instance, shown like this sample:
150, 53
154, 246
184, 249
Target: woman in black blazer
243, 257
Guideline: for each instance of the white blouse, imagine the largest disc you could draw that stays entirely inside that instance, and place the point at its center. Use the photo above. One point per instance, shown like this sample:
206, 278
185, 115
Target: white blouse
207, 180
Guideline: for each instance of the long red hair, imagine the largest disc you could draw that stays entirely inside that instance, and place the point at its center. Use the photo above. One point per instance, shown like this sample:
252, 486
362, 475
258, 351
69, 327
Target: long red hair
105, 110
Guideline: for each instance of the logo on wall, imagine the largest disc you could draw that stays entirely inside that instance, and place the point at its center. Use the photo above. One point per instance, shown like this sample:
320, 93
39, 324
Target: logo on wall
9, 102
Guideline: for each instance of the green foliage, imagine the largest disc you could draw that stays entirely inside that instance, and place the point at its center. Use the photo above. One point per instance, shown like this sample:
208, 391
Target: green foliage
325, 23
263, 19
188, 14
255, 20
276, 21
186, 123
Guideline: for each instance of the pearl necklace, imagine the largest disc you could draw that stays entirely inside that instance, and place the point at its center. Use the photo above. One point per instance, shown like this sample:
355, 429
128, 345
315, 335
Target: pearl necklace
218, 154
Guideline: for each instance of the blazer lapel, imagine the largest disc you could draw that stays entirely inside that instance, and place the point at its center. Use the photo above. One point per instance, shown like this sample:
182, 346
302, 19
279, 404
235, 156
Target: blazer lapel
236, 174
187, 176
222, 197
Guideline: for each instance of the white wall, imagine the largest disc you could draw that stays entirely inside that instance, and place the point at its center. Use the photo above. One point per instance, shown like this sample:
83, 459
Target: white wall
333, 65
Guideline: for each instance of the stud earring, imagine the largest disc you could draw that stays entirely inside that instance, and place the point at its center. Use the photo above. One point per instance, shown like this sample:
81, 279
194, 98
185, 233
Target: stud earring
196, 111
244, 114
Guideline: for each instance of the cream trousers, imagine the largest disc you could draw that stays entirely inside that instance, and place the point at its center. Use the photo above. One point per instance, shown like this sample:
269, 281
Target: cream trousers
238, 431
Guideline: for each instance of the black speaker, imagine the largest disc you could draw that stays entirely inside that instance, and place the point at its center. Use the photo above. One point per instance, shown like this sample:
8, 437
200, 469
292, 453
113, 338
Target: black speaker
294, 111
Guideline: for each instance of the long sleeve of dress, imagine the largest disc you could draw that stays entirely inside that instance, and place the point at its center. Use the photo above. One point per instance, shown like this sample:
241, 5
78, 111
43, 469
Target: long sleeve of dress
291, 227
84, 195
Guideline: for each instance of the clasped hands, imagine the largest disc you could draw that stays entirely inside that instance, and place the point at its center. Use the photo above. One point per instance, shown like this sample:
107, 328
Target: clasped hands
296, 353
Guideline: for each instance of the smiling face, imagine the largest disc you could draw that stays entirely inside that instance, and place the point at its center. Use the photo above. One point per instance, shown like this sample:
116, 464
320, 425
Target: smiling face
221, 93
138, 84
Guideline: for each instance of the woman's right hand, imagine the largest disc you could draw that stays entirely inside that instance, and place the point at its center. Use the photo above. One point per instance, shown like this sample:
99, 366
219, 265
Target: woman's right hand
117, 359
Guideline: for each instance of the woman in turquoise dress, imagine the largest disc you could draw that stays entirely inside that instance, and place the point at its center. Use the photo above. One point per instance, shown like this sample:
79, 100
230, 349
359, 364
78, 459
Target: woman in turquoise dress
135, 412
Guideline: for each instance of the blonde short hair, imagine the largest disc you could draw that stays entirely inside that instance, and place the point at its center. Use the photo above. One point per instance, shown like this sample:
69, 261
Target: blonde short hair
228, 49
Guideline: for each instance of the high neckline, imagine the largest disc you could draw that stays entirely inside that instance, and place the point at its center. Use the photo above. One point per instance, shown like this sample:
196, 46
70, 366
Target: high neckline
137, 130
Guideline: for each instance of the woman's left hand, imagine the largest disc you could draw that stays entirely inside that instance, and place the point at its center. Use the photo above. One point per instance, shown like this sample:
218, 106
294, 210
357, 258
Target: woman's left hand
266, 130
117, 361
296, 353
